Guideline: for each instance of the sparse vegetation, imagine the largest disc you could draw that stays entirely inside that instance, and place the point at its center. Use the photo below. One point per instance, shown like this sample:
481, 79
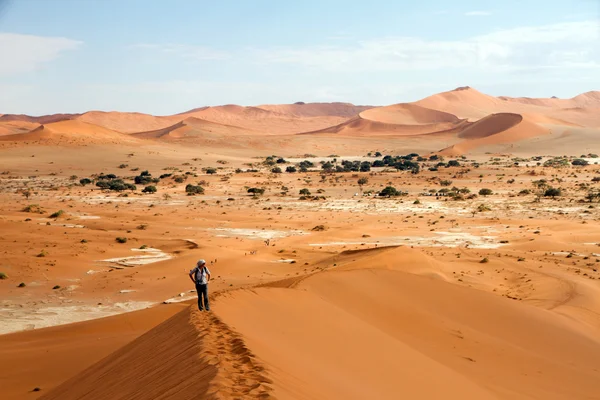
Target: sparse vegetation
149, 189
193, 190
121, 239
485, 192
57, 214
3, 276
256, 191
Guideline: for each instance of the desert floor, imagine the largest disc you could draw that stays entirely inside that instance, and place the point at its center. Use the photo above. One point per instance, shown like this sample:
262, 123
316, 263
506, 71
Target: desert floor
345, 295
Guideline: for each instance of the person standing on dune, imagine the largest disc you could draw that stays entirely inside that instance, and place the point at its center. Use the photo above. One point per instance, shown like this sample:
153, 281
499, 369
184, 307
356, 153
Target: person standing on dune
200, 275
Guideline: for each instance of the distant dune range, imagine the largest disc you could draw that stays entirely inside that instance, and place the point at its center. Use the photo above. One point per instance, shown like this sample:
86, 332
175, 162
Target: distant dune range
455, 122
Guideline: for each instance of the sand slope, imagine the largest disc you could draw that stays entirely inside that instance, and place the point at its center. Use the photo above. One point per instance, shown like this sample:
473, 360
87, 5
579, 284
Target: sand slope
385, 325
191, 128
71, 132
346, 110
125, 122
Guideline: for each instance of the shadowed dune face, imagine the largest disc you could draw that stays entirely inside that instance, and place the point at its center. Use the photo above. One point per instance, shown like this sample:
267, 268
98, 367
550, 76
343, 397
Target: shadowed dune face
490, 125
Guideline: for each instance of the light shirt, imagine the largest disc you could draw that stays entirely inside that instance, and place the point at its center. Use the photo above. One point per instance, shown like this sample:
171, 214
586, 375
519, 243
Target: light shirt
200, 274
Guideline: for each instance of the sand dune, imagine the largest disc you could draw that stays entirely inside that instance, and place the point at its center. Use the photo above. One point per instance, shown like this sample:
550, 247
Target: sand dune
584, 100
493, 130
14, 127
346, 110
191, 128
262, 120
44, 119
125, 122
71, 132
379, 326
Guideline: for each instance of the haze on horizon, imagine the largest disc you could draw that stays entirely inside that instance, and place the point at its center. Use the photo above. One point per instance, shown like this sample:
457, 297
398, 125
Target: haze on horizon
65, 56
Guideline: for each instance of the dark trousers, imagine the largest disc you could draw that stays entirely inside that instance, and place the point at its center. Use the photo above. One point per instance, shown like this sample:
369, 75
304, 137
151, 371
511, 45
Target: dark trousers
202, 293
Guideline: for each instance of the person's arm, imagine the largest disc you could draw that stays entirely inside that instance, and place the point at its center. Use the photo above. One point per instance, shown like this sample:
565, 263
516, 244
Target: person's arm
192, 275
207, 275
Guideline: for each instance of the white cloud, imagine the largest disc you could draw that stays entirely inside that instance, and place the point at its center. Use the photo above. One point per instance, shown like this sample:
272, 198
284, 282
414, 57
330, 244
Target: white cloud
563, 45
197, 53
22, 53
478, 13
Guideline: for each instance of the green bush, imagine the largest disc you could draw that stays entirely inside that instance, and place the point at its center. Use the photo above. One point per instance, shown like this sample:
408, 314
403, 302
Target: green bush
389, 191
22, 284
256, 191
552, 192
121, 240
485, 192
149, 189
3, 276
192, 190
305, 192
33, 208
57, 214
85, 181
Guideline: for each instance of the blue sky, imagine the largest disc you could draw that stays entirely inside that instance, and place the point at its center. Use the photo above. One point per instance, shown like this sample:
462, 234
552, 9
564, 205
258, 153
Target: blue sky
164, 57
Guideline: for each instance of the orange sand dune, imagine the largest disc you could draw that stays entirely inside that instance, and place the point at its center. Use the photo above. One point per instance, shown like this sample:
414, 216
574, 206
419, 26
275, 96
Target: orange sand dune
408, 114
369, 329
193, 128
125, 122
71, 132
44, 119
584, 100
316, 109
16, 126
261, 120
363, 127
77, 346
495, 129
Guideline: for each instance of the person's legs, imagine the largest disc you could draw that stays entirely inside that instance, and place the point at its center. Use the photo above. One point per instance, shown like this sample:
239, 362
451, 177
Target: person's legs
199, 291
205, 295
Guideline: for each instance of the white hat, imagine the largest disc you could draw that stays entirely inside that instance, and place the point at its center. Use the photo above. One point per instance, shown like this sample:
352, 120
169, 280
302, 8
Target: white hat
201, 262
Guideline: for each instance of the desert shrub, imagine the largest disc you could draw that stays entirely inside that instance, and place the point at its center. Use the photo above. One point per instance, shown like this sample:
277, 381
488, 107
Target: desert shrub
22, 284
445, 182
121, 239
484, 260
281, 161
552, 192
143, 179
210, 171
305, 164
579, 162
33, 208
319, 228
149, 189
290, 169
57, 214
485, 192
85, 181
596, 179
180, 178
192, 190
276, 170
453, 163
524, 192
3, 276
305, 192
123, 166
363, 181
56, 287
256, 191
389, 191
365, 166
483, 208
